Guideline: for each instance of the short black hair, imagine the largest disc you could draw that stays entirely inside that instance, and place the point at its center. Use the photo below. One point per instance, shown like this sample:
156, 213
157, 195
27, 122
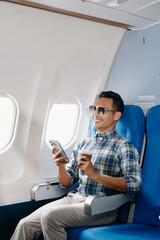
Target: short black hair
118, 103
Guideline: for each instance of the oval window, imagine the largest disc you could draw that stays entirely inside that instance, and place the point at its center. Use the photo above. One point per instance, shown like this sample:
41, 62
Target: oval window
8, 119
62, 121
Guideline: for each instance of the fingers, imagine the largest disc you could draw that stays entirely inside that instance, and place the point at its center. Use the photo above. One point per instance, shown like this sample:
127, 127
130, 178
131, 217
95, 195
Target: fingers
60, 161
83, 163
83, 160
53, 150
81, 167
56, 154
57, 158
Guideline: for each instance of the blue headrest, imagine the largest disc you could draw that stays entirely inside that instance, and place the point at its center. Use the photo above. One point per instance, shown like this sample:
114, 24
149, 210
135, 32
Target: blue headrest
148, 203
153, 123
131, 125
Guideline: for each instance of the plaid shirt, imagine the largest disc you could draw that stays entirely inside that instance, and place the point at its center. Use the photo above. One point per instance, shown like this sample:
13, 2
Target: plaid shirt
113, 155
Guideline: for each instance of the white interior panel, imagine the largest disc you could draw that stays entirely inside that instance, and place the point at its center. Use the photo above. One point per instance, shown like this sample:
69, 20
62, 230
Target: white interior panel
134, 5
45, 56
150, 12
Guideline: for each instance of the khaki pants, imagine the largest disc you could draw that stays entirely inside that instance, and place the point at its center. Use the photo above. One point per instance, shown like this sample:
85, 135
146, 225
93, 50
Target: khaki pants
52, 219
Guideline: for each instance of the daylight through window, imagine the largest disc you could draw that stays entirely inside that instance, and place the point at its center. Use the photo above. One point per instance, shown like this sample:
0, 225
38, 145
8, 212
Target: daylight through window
62, 121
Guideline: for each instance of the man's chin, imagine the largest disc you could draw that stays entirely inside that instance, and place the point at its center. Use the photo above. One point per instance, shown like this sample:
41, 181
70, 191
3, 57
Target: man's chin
96, 126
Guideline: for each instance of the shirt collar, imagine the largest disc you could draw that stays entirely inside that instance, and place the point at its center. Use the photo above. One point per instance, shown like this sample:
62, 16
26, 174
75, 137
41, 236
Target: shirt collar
107, 135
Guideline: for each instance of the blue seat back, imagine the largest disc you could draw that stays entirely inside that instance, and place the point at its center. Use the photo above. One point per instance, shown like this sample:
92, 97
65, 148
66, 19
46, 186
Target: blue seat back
132, 125
147, 208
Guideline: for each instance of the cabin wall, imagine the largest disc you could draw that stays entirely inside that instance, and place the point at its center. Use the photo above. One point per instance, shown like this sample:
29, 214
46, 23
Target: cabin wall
136, 71
45, 56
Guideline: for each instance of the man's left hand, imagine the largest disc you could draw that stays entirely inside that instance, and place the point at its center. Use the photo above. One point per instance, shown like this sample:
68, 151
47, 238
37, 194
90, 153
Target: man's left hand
86, 167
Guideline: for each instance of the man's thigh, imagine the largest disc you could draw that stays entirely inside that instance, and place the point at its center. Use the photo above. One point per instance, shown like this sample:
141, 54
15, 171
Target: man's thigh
36, 215
72, 215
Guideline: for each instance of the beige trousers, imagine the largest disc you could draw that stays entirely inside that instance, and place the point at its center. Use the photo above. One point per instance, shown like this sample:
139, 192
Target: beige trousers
54, 218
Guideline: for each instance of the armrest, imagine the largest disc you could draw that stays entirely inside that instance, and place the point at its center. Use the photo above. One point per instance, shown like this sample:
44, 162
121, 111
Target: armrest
49, 190
95, 205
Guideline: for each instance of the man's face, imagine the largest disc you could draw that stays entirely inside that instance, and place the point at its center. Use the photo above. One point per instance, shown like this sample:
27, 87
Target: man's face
107, 121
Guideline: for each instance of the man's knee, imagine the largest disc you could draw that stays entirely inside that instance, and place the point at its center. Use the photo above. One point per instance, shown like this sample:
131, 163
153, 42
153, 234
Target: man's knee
28, 228
51, 217
23, 223
45, 218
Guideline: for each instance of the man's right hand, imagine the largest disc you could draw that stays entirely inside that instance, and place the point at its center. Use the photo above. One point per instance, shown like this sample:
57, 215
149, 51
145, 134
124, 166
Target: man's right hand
59, 161
63, 176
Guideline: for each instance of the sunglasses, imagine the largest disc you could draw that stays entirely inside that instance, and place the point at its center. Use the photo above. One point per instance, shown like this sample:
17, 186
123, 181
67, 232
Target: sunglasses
101, 110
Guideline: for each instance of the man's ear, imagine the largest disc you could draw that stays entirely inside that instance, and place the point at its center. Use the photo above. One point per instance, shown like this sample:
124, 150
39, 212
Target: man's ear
117, 116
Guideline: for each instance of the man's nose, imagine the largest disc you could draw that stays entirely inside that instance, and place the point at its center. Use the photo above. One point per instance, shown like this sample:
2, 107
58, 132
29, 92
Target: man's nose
96, 113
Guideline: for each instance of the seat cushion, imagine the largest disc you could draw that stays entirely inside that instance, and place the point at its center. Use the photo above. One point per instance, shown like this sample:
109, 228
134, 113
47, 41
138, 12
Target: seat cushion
121, 232
73, 233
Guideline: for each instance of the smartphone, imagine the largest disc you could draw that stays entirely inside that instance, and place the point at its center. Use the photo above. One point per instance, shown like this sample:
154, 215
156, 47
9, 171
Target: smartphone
58, 147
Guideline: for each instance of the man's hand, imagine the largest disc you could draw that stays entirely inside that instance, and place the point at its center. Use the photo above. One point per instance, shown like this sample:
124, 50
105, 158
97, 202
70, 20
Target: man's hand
63, 176
86, 167
59, 161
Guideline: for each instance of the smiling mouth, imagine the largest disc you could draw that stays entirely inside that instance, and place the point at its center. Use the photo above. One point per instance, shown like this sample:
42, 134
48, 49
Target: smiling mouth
97, 120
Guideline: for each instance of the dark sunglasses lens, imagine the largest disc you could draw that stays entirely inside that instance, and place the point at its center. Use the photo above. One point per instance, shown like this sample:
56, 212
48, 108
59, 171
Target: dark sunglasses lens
92, 109
101, 110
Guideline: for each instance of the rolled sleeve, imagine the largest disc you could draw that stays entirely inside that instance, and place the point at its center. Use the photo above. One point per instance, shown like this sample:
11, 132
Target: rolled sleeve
130, 168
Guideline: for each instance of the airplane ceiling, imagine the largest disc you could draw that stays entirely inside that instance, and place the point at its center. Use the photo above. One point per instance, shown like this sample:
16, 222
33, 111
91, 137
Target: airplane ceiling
132, 14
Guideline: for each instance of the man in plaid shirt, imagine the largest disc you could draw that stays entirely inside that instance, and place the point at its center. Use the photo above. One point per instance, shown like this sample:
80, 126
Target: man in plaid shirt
113, 168
112, 156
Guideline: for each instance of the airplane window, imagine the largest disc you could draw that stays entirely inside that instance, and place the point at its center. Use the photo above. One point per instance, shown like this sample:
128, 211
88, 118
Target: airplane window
62, 121
8, 118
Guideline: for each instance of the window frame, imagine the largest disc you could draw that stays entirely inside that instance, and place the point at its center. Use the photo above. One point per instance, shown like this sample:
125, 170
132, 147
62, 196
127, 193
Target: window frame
14, 120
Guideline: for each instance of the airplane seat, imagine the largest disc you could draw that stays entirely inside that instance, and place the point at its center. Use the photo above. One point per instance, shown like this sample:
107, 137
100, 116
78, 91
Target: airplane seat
149, 202
131, 126
147, 211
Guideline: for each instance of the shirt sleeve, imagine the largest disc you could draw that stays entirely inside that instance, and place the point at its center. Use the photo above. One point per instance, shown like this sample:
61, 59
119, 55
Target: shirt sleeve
130, 167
